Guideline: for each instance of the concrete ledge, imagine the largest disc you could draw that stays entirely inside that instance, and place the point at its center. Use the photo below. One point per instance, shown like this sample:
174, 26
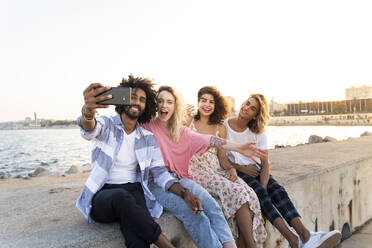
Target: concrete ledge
328, 182
40, 212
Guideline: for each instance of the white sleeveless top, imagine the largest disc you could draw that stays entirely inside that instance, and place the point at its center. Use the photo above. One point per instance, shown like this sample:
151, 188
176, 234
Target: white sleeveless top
242, 138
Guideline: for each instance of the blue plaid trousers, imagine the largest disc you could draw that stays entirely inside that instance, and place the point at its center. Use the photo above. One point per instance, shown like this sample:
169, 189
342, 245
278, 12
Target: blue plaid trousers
272, 200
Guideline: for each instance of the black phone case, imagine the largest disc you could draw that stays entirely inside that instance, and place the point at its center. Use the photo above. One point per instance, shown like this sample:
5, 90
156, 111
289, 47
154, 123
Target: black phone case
120, 96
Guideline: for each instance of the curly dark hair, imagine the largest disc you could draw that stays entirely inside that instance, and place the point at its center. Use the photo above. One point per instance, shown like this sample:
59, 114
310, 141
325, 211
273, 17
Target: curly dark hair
147, 86
221, 107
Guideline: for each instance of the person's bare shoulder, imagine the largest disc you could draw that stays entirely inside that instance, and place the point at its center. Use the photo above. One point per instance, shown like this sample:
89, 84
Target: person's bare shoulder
222, 131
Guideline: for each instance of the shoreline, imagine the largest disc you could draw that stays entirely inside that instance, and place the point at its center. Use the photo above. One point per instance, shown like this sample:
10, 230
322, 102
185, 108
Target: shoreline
26, 172
40, 128
270, 124
322, 124
364, 119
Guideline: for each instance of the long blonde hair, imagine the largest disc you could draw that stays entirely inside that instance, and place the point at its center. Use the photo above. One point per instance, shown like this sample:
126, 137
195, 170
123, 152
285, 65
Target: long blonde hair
258, 124
175, 122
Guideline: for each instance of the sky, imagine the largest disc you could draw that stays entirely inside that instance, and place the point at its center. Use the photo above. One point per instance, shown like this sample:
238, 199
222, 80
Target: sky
51, 50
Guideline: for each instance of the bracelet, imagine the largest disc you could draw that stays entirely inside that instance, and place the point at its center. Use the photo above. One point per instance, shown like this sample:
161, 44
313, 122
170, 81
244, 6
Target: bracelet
87, 118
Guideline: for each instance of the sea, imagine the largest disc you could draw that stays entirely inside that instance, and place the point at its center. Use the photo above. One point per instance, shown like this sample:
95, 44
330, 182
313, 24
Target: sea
22, 151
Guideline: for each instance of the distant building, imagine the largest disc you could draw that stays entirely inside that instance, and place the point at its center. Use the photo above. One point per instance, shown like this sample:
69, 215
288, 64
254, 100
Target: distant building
277, 108
330, 107
362, 92
358, 100
231, 102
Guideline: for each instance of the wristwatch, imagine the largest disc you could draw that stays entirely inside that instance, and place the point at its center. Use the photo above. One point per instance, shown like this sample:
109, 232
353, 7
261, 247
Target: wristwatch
183, 191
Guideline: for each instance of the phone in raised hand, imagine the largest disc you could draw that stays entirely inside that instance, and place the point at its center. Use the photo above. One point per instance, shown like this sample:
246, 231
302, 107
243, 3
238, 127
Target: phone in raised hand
120, 96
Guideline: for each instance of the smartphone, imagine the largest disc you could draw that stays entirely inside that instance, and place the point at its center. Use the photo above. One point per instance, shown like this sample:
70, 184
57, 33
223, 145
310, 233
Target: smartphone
257, 165
120, 96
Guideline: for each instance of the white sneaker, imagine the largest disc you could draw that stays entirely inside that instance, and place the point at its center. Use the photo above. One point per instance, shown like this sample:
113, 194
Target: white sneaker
300, 245
323, 240
330, 239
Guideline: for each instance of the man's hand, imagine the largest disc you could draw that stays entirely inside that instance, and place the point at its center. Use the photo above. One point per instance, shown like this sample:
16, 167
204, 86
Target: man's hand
90, 105
231, 174
250, 170
90, 99
193, 202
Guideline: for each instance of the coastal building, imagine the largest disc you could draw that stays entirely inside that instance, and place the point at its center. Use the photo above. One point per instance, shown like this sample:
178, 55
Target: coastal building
35, 119
362, 92
358, 101
231, 102
277, 108
330, 107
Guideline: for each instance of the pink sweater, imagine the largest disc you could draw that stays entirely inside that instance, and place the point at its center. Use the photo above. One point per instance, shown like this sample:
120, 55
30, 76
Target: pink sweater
177, 155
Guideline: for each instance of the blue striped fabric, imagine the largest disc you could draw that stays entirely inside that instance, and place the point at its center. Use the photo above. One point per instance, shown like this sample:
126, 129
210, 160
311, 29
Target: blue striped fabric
107, 137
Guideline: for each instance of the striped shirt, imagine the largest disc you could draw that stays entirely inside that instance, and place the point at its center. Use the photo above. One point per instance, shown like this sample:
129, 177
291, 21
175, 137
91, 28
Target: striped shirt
107, 137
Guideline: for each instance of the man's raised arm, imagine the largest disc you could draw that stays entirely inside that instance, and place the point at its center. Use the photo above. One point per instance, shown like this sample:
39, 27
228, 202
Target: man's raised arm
88, 111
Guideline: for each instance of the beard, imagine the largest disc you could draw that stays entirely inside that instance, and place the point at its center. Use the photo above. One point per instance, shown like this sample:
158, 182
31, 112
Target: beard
133, 116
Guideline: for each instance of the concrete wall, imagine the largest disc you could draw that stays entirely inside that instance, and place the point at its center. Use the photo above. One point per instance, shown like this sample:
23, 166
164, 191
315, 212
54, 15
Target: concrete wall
330, 200
333, 197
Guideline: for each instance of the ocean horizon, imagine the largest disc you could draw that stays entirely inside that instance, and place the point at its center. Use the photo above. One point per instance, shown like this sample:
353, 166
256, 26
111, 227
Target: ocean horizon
22, 151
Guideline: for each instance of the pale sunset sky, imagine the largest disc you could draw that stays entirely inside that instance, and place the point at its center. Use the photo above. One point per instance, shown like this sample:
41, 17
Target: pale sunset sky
51, 50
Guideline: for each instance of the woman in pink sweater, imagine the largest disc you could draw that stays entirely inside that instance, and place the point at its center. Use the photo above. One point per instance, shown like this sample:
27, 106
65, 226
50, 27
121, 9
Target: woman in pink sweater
207, 226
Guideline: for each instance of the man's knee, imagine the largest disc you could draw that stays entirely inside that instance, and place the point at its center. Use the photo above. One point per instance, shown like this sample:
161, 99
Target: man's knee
122, 198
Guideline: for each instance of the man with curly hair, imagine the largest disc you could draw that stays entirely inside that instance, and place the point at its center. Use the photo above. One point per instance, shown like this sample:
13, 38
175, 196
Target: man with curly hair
123, 155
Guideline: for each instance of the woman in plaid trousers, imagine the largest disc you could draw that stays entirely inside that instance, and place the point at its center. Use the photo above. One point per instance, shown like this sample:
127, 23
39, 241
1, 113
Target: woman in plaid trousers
249, 126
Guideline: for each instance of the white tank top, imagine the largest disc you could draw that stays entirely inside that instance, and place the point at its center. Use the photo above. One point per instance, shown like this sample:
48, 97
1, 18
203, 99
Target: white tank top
242, 138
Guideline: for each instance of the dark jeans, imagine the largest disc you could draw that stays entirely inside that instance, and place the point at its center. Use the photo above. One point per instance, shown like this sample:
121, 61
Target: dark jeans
126, 203
275, 195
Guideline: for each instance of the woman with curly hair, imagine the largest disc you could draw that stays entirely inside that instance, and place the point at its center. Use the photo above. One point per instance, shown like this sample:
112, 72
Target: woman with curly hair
250, 125
211, 170
206, 224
